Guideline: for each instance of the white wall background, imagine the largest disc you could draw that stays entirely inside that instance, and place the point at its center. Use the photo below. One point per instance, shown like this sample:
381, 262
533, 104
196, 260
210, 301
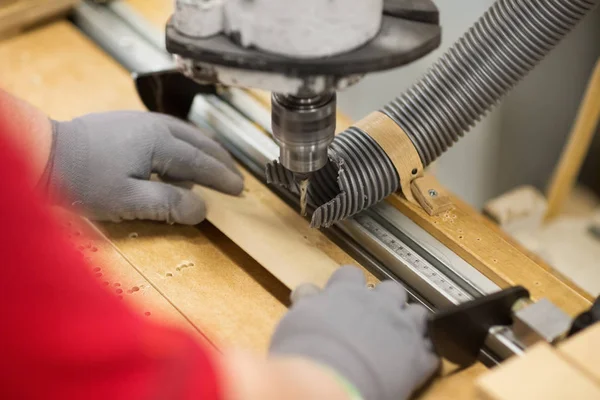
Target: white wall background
519, 141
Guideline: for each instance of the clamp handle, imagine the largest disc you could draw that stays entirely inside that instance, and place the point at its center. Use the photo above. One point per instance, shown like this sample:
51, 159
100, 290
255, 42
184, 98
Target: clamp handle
459, 332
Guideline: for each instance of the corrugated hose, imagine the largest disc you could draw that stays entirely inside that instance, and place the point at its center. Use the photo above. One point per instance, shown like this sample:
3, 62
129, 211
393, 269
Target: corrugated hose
507, 42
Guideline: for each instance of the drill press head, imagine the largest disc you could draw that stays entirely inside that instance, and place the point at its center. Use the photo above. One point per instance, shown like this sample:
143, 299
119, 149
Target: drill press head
319, 49
303, 127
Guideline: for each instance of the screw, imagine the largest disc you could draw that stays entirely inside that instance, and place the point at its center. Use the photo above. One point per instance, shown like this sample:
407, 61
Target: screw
433, 193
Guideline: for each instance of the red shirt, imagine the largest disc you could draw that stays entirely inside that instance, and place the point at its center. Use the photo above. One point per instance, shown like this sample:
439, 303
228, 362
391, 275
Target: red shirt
64, 336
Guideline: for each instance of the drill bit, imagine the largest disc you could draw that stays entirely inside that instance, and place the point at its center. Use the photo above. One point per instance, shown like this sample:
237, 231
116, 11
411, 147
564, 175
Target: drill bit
295, 183
303, 184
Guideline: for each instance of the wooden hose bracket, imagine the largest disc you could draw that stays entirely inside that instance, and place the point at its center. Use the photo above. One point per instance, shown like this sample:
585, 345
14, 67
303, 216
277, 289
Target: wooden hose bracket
417, 187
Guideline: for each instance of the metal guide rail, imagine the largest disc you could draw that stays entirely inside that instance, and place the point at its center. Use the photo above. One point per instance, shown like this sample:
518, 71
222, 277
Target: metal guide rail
384, 240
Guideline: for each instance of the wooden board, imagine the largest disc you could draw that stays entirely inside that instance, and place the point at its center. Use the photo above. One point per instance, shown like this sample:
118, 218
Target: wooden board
277, 238
582, 351
577, 146
540, 374
484, 246
18, 15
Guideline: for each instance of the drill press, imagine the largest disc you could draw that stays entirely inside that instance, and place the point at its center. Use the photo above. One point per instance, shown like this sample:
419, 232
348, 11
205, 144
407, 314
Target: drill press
303, 52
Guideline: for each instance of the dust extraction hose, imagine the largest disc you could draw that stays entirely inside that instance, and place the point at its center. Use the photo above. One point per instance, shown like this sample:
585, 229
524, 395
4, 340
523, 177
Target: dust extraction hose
507, 42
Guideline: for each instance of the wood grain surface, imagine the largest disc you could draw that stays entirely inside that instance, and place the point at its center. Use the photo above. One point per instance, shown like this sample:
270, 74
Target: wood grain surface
66, 76
541, 373
583, 352
576, 148
118, 276
18, 15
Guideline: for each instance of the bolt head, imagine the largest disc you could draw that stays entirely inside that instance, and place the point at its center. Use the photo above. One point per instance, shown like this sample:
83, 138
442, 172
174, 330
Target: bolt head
433, 193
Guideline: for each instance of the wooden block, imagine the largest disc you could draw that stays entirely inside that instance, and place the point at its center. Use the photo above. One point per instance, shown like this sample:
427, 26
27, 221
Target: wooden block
431, 195
540, 374
583, 351
521, 209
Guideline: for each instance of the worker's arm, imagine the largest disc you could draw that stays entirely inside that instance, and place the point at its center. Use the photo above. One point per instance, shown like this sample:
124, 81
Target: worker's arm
101, 163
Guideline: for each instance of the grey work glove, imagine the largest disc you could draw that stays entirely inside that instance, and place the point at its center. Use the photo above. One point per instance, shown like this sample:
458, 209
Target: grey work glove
372, 338
102, 163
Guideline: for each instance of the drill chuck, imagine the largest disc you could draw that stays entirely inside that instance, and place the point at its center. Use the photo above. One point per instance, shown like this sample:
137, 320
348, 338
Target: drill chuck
303, 127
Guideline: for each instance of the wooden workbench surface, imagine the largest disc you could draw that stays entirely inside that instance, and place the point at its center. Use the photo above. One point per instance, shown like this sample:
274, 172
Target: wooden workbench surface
194, 277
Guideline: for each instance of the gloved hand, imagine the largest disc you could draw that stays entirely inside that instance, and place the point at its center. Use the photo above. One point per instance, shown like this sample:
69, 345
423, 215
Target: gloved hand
372, 338
102, 164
